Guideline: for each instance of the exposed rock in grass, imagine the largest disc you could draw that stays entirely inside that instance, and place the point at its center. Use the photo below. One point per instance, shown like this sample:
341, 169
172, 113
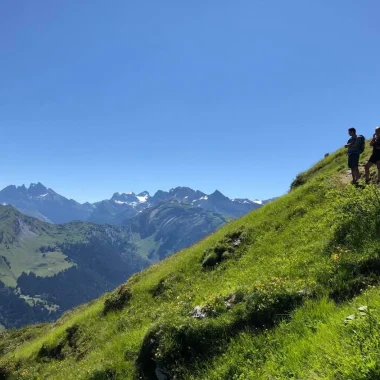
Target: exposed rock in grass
198, 313
117, 300
233, 299
349, 318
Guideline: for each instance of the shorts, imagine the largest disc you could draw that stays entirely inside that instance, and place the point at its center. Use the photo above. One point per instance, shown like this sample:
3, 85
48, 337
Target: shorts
353, 160
375, 156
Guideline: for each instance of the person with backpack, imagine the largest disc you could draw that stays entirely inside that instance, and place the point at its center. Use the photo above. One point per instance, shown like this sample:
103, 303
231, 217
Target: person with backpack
355, 146
375, 157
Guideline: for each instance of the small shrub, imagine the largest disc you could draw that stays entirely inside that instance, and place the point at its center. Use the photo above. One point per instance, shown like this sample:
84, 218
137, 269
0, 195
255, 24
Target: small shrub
225, 249
352, 276
297, 212
49, 352
103, 374
165, 285
174, 347
72, 335
211, 259
117, 300
265, 307
5, 371
298, 181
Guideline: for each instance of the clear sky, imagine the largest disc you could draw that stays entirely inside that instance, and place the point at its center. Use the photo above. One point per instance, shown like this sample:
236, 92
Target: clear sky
104, 96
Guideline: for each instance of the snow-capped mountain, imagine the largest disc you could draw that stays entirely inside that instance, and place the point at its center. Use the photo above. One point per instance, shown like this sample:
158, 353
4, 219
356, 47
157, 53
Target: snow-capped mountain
130, 198
44, 203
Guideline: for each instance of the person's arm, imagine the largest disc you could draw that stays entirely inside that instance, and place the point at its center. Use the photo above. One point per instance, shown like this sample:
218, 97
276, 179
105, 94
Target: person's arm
348, 143
373, 140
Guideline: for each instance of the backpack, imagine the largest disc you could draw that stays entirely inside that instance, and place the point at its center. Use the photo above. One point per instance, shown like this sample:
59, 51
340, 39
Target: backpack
361, 146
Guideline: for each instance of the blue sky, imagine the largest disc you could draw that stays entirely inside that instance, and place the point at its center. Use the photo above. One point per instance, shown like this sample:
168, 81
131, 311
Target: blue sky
105, 96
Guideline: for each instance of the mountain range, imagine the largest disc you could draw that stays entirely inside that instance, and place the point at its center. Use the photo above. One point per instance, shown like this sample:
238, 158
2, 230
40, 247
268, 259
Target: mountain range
288, 291
45, 204
65, 253
46, 268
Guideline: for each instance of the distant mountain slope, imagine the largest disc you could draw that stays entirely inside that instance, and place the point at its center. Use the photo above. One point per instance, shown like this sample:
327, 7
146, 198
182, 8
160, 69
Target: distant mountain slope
171, 226
46, 205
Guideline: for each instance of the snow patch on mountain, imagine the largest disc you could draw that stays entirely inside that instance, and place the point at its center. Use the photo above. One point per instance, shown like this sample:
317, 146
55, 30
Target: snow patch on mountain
142, 199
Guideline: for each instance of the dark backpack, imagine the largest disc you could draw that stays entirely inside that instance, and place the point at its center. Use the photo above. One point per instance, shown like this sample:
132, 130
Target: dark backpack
361, 145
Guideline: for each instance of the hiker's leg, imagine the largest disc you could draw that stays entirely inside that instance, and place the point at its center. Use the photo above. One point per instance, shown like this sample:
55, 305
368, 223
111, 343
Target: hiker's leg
367, 166
357, 174
353, 163
353, 174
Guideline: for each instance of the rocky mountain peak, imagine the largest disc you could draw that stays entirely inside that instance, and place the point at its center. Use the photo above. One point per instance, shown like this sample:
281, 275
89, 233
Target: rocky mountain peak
37, 189
217, 196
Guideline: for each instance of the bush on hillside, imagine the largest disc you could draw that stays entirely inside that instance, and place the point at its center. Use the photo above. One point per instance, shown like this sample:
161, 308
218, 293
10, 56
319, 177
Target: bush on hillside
117, 300
104, 374
51, 351
165, 285
225, 249
298, 181
5, 371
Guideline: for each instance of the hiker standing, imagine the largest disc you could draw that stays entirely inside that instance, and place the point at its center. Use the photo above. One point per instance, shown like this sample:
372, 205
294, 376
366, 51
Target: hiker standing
375, 158
353, 145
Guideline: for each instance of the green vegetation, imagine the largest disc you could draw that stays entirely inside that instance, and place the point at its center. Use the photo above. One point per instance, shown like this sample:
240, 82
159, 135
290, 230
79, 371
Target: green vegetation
46, 269
290, 291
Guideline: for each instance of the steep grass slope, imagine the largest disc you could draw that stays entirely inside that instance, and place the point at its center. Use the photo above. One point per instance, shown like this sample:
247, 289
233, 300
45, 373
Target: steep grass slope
289, 291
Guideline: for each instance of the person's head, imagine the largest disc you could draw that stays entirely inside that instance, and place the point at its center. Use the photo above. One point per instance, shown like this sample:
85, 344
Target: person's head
352, 131
377, 131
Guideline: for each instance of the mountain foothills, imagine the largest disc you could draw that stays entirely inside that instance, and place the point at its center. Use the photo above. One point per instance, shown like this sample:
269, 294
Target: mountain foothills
289, 291
46, 269
45, 204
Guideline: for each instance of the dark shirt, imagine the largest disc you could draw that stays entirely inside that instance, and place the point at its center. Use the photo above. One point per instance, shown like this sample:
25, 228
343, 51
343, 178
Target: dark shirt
376, 144
354, 145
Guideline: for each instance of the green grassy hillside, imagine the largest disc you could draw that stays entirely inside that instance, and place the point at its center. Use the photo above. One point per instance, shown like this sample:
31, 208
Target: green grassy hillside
46, 269
289, 291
